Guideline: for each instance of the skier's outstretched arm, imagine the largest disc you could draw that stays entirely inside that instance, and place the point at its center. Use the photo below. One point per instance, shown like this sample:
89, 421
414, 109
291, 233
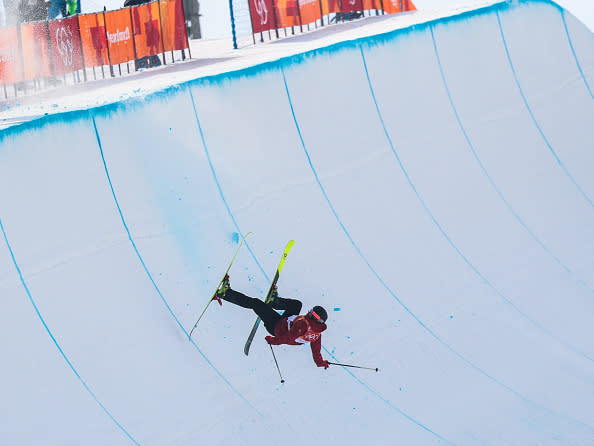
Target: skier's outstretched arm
316, 346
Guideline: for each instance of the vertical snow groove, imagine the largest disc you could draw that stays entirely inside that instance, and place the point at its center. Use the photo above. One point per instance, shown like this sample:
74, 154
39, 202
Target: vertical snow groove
482, 166
222, 195
409, 180
57, 344
379, 278
348, 235
218, 184
150, 276
387, 402
577, 61
483, 278
533, 117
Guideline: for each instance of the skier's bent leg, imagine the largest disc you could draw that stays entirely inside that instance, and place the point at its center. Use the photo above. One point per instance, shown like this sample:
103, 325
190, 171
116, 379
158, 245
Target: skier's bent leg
291, 307
264, 312
237, 298
267, 314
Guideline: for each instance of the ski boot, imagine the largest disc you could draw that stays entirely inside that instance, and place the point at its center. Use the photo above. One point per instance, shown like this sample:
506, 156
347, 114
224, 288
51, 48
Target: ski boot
222, 290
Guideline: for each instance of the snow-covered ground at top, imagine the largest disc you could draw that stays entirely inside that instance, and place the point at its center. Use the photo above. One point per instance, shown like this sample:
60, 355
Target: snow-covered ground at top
209, 57
215, 56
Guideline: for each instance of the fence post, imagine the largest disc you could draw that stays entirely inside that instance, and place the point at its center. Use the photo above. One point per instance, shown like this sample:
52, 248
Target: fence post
161, 32
186, 31
51, 53
20, 40
133, 43
273, 2
82, 54
107, 41
233, 25
299, 16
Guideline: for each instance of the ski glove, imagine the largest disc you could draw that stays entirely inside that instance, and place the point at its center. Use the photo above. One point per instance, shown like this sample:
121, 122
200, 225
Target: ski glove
269, 339
324, 364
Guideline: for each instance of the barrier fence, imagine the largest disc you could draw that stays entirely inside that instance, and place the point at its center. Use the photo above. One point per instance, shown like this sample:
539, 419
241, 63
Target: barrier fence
272, 16
43, 52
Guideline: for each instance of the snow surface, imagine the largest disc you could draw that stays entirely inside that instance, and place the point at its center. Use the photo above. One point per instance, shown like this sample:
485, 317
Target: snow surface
437, 180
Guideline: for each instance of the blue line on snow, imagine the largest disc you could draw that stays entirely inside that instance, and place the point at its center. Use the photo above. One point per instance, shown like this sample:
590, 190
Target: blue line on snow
151, 277
434, 335
346, 232
482, 166
511, 64
85, 385
222, 195
216, 180
385, 285
404, 414
459, 120
577, 61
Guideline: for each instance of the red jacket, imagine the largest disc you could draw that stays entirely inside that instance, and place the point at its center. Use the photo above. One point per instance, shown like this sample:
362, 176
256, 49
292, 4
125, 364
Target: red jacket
297, 330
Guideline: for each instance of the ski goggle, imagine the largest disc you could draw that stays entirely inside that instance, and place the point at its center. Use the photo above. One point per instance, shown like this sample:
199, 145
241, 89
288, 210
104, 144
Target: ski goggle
315, 316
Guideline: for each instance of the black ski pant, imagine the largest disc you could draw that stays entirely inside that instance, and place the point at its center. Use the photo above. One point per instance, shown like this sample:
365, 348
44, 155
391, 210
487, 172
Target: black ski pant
291, 307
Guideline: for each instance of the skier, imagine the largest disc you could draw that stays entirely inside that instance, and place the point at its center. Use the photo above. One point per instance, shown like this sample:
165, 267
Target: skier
289, 328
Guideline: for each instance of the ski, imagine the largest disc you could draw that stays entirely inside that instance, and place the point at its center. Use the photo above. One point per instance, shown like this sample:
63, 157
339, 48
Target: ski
268, 299
219, 285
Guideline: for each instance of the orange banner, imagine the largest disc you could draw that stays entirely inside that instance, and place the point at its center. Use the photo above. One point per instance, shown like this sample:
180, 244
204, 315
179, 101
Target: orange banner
373, 4
393, 6
94, 39
36, 53
10, 57
287, 13
119, 36
147, 30
330, 6
310, 11
173, 25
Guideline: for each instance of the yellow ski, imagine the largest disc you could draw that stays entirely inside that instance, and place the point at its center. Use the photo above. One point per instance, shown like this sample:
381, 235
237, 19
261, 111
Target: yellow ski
219, 285
268, 299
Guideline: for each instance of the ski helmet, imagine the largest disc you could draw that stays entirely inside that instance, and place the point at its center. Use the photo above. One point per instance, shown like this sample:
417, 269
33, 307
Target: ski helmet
318, 314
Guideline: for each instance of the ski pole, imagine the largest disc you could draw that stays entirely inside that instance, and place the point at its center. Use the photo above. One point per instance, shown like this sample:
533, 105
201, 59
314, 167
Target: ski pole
276, 362
354, 366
